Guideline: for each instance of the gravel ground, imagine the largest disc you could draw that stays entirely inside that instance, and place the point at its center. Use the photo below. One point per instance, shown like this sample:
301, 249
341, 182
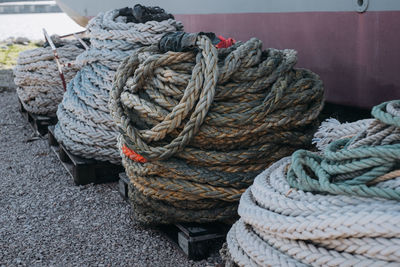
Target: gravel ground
45, 220
6, 80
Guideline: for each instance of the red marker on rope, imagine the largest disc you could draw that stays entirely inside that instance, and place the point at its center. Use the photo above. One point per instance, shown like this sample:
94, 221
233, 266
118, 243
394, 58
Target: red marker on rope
225, 43
133, 155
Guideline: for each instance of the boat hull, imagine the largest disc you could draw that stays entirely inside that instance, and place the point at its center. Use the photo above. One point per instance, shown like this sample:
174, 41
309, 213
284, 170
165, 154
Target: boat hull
356, 54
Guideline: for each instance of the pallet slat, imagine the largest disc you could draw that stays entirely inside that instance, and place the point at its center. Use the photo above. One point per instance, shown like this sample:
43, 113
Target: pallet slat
39, 123
83, 171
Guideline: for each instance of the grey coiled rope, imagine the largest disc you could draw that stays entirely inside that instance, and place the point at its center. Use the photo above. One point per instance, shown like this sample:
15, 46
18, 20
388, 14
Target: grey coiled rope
39, 85
281, 225
203, 123
85, 126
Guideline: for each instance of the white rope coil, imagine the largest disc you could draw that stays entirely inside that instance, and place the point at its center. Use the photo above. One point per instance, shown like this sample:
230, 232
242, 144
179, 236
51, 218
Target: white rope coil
280, 226
331, 130
85, 126
39, 85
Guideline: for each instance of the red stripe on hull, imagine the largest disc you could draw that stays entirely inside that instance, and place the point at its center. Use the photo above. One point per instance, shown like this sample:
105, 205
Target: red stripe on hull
356, 55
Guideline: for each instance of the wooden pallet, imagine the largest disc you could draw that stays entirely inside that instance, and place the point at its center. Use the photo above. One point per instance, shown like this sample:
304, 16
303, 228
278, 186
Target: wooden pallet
84, 171
195, 240
123, 185
39, 123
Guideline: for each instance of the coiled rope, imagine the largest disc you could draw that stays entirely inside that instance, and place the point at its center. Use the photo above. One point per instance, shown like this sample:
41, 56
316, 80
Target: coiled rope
345, 216
39, 85
198, 126
352, 165
85, 126
332, 130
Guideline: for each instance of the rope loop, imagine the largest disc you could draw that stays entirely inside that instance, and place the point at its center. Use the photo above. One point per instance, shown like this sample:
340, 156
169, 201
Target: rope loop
351, 165
388, 112
197, 99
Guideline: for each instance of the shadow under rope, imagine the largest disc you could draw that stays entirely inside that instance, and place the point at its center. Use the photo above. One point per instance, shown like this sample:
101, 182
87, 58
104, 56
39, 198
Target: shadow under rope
343, 113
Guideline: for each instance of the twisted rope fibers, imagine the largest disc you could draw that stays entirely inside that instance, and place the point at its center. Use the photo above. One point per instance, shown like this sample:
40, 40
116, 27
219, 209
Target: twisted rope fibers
37, 78
281, 225
85, 126
332, 130
350, 165
206, 122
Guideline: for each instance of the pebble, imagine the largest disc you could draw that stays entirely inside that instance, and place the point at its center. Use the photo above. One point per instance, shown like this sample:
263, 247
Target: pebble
39, 43
48, 221
21, 40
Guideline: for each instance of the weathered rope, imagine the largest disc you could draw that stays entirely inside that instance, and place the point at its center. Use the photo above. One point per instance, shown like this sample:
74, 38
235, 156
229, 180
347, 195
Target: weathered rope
331, 130
203, 123
39, 85
349, 165
281, 225
85, 126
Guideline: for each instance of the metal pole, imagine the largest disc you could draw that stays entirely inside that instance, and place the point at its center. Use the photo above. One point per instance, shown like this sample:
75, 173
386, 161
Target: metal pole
81, 41
57, 59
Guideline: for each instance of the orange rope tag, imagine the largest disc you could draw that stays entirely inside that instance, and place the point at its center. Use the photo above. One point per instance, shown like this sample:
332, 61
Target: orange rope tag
133, 155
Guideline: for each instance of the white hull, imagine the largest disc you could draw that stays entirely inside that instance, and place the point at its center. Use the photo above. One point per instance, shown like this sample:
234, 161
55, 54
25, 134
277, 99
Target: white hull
91, 8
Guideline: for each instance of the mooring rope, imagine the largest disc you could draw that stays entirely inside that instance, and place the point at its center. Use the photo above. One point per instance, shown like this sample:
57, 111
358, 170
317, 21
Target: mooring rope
39, 85
198, 126
351, 165
338, 209
331, 130
85, 126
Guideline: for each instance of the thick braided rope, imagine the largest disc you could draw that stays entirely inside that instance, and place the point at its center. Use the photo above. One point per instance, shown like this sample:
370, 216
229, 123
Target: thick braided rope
39, 85
204, 123
282, 226
331, 130
85, 126
350, 165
